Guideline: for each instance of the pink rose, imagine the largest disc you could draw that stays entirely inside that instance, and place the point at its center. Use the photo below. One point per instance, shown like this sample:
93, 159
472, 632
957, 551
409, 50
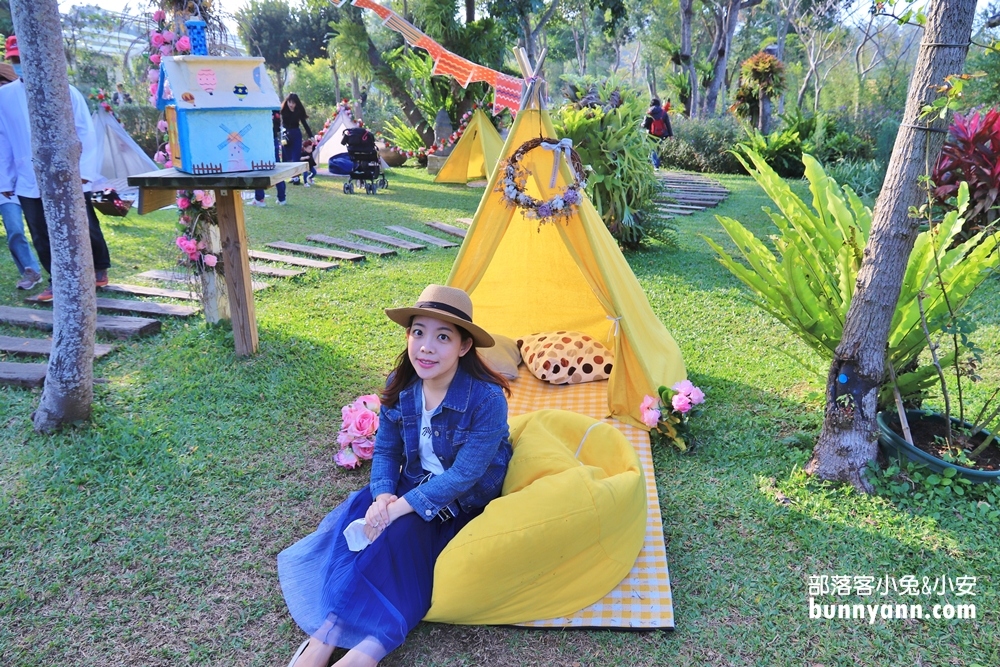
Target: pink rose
162, 126
155, 58
183, 202
152, 91
166, 49
159, 15
344, 439
364, 424
166, 148
370, 402
208, 200
210, 260
346, 458
169, 35
697, 396
168, 164
153, 75
198, 194
650, 417
156, 40
183, 44
363, 448
681, 403
160, 157
684, 387
647, 403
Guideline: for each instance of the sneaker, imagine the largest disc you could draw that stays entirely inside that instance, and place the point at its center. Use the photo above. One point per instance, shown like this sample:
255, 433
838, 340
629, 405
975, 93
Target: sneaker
45, 295
101, 278
307, 184
295, 180
29, 279
282, 202
258, 202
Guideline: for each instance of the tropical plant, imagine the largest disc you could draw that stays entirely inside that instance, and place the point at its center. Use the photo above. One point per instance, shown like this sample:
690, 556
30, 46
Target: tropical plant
403, 136
810, 284
864, 177
622, 183
703, 144
971, 155
781, 150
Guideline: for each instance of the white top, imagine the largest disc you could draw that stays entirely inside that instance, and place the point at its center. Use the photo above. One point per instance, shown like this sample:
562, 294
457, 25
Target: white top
17, 173
428, 459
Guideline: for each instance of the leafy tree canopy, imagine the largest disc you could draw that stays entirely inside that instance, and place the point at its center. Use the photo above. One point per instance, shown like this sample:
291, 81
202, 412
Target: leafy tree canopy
267, 28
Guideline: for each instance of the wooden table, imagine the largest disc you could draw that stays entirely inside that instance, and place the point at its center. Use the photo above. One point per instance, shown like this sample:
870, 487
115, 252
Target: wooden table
157, 189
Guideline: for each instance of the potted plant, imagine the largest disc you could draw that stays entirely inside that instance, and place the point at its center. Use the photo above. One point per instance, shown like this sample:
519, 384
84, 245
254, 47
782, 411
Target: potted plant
942, 441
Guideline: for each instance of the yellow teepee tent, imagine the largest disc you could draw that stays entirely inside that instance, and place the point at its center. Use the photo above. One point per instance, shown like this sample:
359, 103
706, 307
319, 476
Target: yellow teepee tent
527, 277
476, 153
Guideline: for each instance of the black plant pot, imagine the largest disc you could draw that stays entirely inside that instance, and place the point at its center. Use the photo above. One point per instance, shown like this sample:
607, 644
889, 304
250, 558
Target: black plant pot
894, 445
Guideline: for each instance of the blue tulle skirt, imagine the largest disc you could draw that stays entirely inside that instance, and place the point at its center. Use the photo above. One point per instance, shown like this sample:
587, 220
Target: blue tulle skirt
370, 599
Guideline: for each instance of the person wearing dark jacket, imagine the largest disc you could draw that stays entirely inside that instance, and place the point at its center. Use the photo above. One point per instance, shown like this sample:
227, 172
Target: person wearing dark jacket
258, 199
293, 114
657, 123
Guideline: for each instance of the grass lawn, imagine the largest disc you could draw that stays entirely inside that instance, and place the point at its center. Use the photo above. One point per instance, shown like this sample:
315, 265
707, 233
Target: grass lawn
149, 536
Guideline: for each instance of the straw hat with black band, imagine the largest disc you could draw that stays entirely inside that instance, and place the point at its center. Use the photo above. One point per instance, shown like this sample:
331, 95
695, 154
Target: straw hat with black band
7, 74
449, 304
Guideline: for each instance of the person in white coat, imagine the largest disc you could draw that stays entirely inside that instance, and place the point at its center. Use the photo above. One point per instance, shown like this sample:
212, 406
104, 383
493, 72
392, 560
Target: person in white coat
17, 174
13, 222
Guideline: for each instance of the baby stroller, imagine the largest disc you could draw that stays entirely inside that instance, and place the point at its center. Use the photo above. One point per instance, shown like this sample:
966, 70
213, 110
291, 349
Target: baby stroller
366, 165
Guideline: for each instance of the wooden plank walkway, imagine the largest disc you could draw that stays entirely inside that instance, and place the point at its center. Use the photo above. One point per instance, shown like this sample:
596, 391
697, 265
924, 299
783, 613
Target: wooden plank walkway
117, 326
316, 251
27, 376
673, 211
683, 194
351, 245
441, 243
292, 260
131, 306
464, 221
388, 240
274, 271
142, 290
42, 347
186, 278
447, 229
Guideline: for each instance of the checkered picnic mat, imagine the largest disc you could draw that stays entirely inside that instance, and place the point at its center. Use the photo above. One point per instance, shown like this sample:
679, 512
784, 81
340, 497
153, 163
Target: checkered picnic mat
643, 599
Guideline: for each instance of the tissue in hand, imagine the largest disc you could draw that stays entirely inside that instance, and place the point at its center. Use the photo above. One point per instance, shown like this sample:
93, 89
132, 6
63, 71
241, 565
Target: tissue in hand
355, 535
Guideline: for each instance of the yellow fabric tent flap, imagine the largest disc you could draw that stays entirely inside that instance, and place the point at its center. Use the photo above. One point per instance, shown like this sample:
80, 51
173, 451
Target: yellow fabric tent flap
527, 277
566, 530
476, 153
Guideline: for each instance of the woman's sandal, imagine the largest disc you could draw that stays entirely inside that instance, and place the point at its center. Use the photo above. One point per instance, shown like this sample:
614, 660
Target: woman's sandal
298, 653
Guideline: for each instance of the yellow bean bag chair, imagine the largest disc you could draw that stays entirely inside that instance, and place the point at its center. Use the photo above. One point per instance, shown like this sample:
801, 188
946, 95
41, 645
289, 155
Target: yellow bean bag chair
566, 530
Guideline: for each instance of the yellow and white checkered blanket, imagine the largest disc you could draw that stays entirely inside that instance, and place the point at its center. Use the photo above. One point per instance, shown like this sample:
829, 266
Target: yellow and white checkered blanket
643, 599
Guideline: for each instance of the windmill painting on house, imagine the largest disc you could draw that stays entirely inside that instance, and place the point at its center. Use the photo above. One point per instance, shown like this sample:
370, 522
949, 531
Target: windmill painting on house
206, 99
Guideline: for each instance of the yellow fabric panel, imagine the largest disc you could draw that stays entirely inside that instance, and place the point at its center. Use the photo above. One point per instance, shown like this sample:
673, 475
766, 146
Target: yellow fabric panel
566, 530
475, 154
521, 279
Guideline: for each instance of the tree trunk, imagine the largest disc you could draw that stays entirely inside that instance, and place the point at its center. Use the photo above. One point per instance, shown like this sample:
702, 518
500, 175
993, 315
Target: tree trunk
764, 115
398, 90
470, 11
69, 384
651, 80
336, 80
687, 62
728, 27
849, 436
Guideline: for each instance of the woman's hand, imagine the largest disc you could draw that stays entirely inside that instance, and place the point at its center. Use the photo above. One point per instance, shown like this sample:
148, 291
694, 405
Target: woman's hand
377, 515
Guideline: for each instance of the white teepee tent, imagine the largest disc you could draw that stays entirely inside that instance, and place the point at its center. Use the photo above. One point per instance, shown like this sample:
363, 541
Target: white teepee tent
121, 157
330, 144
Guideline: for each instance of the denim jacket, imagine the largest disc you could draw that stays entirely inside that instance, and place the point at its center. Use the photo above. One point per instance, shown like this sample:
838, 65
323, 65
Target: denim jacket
470, 437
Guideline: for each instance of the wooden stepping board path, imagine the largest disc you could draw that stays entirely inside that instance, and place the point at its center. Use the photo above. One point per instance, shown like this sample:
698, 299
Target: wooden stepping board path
41, 347
316, 251
683, 193
292, 260
130, 306
351, 245
433, 240
24, 375
116, 326
141, 290
447, 229
185, 278
388, 240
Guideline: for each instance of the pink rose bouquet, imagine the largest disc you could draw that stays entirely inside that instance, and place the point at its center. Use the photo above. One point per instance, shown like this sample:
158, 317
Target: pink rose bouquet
359, 425
667, 415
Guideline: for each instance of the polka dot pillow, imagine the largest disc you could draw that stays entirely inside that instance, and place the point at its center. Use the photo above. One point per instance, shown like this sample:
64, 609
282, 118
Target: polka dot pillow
566, 357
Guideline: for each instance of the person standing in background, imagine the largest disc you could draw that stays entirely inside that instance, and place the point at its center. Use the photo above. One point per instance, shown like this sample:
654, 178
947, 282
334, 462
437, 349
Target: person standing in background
17, 173
258, 195
657, 123
13, 222
293, 114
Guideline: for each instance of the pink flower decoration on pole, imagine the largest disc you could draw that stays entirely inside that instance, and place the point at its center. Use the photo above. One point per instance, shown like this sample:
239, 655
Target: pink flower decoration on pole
183, 44
162, 126
208, 199
155, 58
159, 15
156, 40
169, 35
210, 260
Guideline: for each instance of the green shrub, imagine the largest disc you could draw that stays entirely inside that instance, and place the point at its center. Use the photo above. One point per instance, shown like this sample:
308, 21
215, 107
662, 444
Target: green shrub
608, 138
865, 178
139, 120
809, 286
703, 145
781, 150
846, 146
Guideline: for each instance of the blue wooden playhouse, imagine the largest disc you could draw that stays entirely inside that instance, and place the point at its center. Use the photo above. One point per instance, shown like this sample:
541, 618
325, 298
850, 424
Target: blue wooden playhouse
219, 113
